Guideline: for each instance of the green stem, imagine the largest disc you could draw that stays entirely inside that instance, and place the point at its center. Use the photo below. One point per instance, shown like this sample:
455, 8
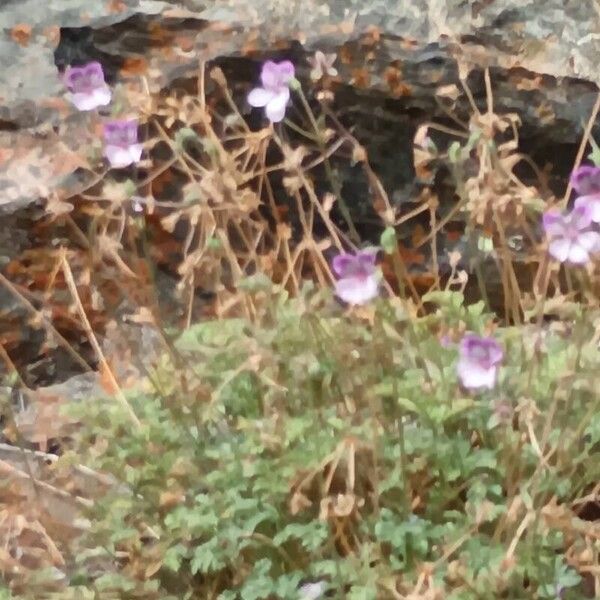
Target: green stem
328, 170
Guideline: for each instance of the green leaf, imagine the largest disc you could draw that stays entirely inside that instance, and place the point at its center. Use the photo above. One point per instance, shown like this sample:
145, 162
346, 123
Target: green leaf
174, 556
207, 558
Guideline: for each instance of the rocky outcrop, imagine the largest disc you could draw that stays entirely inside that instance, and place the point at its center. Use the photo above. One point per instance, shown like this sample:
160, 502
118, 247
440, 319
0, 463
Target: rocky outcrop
394, 59
542, 53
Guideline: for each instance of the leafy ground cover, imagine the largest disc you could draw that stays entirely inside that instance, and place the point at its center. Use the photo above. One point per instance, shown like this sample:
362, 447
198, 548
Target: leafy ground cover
338, 427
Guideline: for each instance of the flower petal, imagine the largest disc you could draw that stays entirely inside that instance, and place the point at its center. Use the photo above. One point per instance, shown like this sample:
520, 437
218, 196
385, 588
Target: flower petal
72, 77
578, 255
342, 263
119, 157
484, 351
593, 202
260, 97
102, 96
276, 107
357, 290
367, 258
581, 216
586, 179
94, 72
91, 100
269, 75
121, 132
554, 223
286, 71
473, 376
559, 249
590, 240
135, 151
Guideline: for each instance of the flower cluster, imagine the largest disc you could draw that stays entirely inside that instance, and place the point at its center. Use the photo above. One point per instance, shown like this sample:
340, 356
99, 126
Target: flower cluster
87, 91
572, 236
358, 283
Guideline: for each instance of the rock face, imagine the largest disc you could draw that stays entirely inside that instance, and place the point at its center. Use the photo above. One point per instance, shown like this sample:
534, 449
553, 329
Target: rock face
394, 57
32, 160
31, 31
542, 52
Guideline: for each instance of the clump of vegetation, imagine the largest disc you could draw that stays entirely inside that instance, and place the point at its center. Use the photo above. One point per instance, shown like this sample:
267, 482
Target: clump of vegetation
317, 445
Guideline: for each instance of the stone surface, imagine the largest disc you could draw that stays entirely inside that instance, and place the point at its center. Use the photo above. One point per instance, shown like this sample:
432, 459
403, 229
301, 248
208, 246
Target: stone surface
394, 57
29, 34
554, 39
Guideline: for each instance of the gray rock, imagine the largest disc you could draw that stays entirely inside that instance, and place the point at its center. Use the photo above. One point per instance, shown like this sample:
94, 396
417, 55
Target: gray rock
28, 75
556, 39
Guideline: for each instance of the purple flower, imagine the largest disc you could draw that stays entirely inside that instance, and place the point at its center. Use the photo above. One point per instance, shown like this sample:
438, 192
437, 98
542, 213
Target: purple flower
275, 92
121, 146
586, 182
478, 361
358, 282
570, 236
87, 87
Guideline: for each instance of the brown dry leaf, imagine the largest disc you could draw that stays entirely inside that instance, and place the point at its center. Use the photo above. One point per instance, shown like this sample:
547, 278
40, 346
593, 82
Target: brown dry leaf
292, 184
43, 420
343, 505
110, 249
361, 78
170, 499
298, 503
411, 256
55, 207
293, 158
359, 154
448, 91
418, 235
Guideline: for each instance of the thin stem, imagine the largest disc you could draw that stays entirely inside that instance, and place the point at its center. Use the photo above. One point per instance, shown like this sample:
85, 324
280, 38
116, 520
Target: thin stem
329, 171
105, 369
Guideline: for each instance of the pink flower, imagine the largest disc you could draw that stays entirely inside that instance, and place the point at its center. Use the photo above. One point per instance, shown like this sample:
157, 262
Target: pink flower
275, 92
358, 282
478, 361
121, 146
322, 64
586, 182
570, 236
87, 87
